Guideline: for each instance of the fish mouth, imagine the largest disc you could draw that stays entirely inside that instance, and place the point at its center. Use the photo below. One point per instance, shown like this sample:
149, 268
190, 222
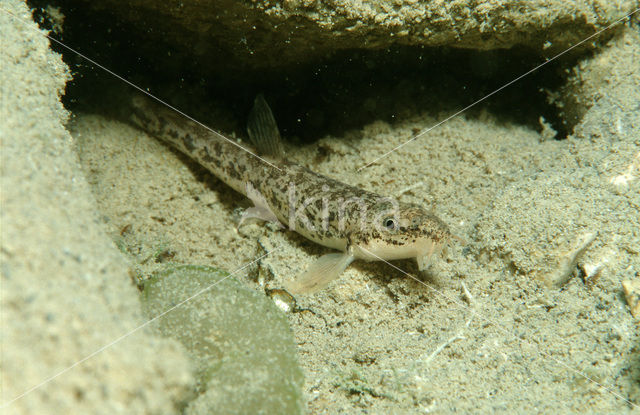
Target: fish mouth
422, 250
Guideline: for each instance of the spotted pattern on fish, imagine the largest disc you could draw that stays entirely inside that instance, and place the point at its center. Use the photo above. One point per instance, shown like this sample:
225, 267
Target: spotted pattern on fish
324, 210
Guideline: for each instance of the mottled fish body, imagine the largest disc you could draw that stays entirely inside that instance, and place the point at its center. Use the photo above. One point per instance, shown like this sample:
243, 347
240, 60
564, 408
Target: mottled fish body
361, 224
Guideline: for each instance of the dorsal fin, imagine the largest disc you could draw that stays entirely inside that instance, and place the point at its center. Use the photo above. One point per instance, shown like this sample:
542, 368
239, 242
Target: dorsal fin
263, 130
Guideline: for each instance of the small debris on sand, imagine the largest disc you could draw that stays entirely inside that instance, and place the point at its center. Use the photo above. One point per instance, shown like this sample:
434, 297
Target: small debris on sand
632, 293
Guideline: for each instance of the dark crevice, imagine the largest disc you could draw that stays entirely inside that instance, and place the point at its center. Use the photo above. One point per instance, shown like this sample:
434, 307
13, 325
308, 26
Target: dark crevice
344, 91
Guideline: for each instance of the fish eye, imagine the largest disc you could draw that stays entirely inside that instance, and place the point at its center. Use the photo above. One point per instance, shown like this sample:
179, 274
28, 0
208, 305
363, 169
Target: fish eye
389, 223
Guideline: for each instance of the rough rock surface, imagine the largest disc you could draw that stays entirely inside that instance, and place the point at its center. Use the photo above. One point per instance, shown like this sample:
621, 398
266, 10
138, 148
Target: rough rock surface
540, 225
241, 342
66, 292
268, 34
600, 83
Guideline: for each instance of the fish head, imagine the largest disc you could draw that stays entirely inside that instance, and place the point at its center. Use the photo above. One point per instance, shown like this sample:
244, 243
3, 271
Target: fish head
396, 230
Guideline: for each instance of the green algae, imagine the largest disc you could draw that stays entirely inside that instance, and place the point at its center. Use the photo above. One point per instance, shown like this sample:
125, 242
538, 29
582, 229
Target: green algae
241, 344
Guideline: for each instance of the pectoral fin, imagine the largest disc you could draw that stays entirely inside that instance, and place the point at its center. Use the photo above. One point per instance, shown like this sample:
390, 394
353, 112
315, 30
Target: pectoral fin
260, 210
425, 257
423, 261
326, 269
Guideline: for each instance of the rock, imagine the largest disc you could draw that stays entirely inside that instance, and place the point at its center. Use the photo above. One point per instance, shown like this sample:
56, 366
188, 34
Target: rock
270, 34
70, 313
240, 342
599, 83
541, 226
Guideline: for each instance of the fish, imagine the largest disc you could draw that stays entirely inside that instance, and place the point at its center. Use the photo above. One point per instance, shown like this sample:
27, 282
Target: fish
361, 225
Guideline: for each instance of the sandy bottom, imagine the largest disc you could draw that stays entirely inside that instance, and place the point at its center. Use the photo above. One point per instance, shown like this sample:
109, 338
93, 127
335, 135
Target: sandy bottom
527, 316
